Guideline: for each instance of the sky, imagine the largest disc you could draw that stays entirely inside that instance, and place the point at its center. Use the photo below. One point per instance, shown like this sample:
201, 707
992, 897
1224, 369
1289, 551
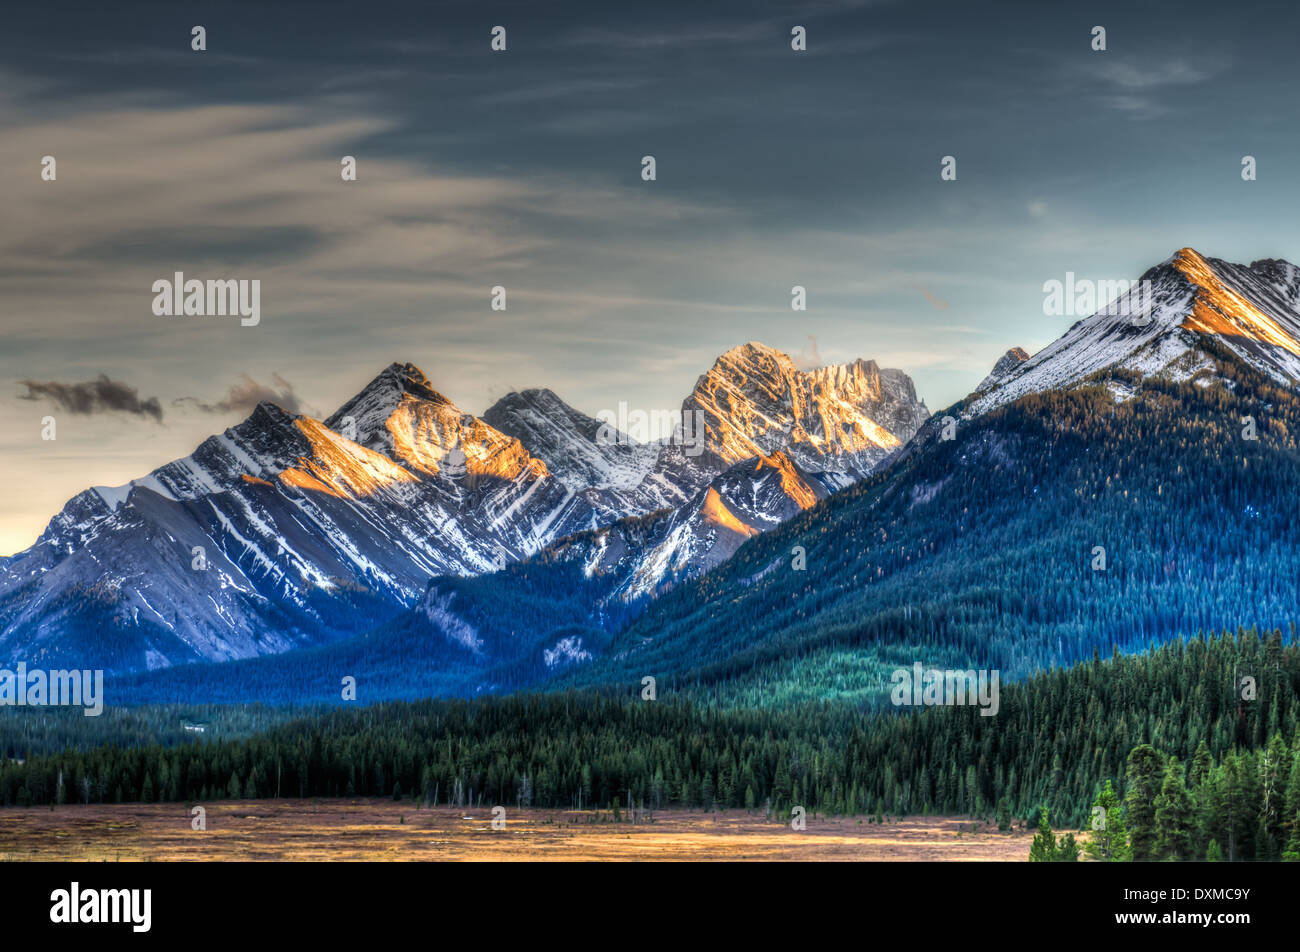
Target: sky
522, 169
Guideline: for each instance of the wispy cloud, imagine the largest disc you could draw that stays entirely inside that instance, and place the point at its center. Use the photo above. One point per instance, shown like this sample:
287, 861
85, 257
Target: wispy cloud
690, 33
936, 302
246, 393
134, 56
102, 395
1140, 89
1155, 75
564, 89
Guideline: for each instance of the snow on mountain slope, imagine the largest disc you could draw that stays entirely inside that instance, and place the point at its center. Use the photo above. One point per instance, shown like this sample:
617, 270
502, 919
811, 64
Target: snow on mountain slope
400, 415
573, 444
293, 523
628, 560
750, 497
837, 422
286, 531
1253, 311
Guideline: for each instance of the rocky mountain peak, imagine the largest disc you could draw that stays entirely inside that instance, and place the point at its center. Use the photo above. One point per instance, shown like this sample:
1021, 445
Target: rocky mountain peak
843, 418
1159, 327
1003, 368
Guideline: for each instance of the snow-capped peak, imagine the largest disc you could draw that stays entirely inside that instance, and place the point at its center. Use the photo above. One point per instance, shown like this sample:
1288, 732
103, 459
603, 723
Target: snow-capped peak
364, 417
1157, 326
400, 415
581, 451
308, 531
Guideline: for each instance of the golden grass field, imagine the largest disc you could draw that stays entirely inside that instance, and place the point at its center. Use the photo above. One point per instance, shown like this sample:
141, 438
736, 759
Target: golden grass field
342, 830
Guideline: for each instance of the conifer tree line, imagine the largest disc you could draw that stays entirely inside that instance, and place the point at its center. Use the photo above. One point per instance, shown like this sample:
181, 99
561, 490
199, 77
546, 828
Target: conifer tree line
1216, 718
1244, 807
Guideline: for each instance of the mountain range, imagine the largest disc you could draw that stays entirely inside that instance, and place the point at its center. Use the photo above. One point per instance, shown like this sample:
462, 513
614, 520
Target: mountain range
285, 532
1133, 482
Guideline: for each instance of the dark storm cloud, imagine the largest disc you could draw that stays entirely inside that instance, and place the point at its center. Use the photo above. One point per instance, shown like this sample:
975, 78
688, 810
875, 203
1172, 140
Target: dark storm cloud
93, 396
246, 393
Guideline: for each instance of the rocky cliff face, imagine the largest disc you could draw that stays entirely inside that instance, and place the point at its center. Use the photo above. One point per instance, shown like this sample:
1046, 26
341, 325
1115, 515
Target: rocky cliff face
840, 419
287, 531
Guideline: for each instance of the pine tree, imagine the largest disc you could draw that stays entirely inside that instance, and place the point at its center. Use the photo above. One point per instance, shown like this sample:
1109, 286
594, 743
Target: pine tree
1292, 852
1266, 846
1109, 841
1043, 849
1068, 850
1199, 782
1273, 781
1174, 816
1199, 771
1230, 807
1143, 778
1292, 803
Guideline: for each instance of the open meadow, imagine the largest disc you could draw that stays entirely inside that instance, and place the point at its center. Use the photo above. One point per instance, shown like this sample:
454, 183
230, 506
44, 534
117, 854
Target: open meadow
343, 830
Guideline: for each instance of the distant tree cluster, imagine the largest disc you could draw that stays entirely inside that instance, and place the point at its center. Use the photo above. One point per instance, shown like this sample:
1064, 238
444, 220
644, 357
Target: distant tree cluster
1243, 807
1061, 741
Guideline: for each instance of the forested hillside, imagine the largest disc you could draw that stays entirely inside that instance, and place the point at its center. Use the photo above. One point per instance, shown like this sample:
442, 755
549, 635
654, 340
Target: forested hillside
1056, 740
514, 614
1062, 524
